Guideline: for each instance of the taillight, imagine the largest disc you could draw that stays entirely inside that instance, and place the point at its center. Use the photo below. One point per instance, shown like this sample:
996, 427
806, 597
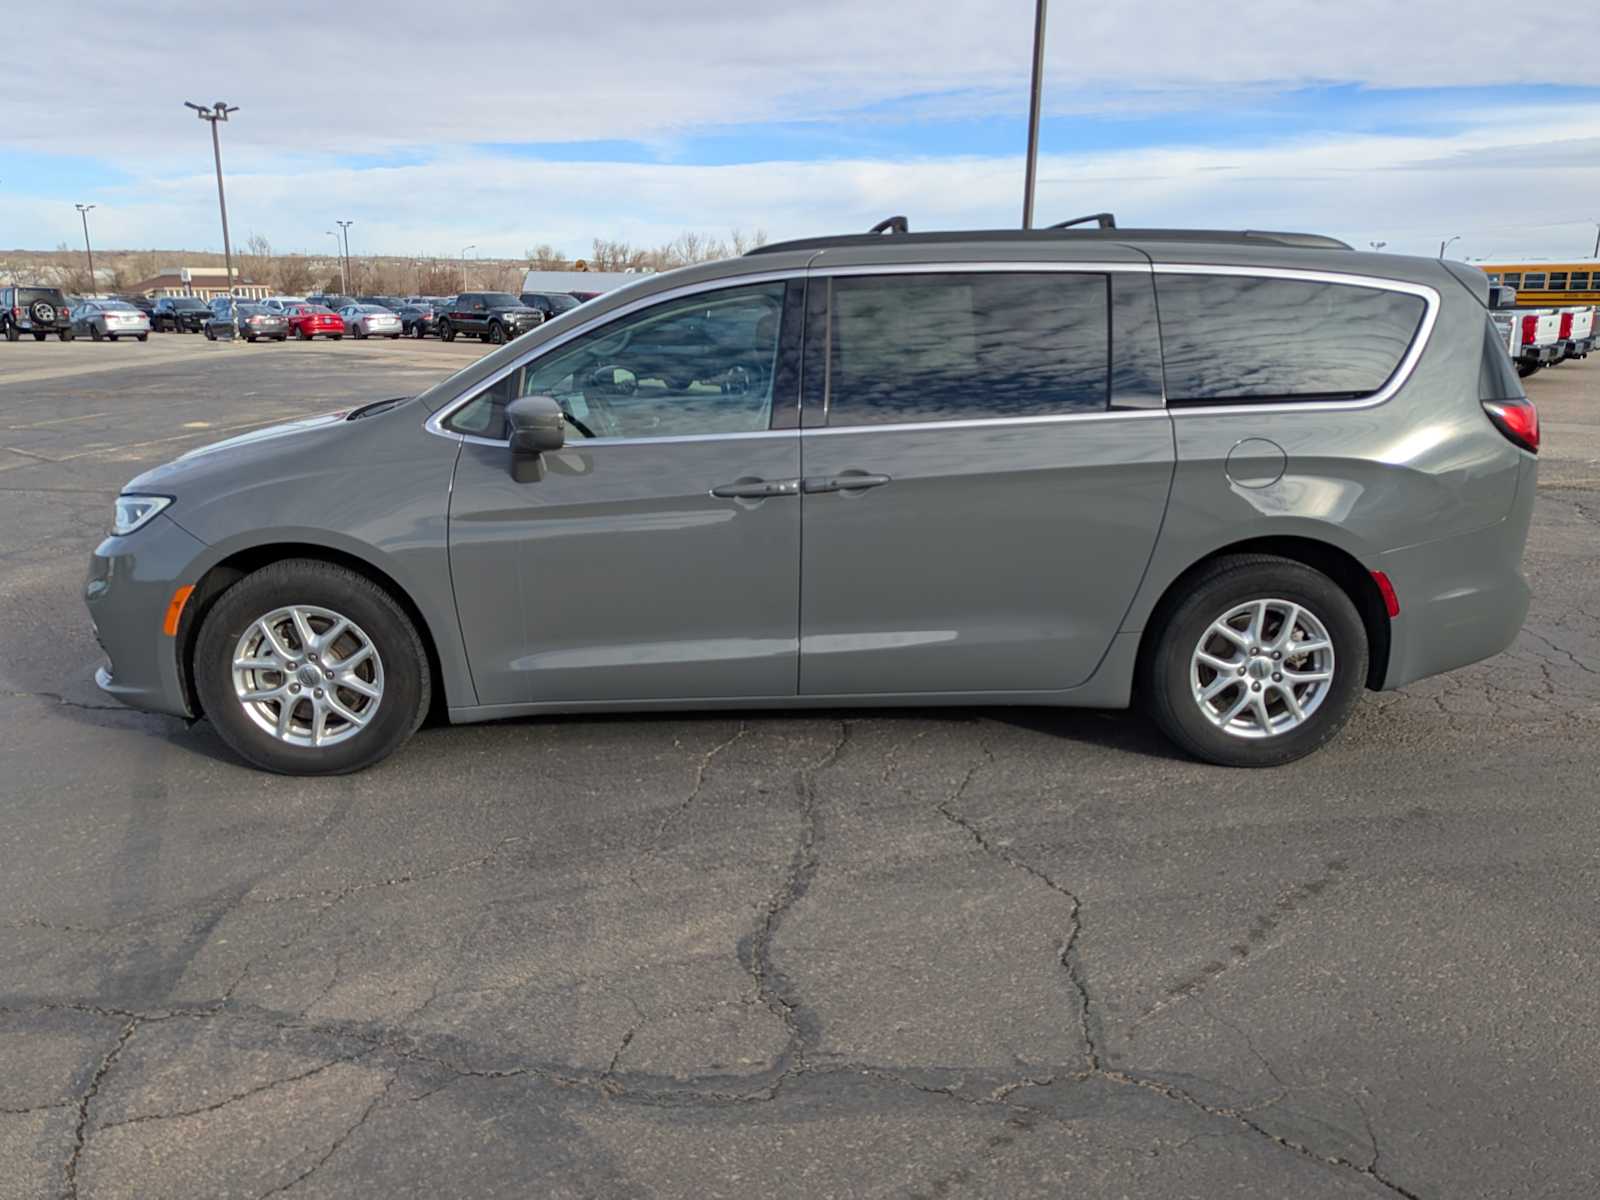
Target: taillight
1518, 420
1530, 329
1566, 325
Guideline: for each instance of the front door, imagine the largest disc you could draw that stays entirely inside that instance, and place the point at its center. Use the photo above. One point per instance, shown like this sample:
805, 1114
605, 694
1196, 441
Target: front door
658, 556
977, 512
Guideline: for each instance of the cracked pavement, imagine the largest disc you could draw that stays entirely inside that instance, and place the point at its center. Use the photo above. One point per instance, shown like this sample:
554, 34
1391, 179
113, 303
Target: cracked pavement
906, 953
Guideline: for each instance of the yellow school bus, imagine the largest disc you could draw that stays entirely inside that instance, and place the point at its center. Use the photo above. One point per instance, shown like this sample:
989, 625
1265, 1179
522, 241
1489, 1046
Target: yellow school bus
1548, 284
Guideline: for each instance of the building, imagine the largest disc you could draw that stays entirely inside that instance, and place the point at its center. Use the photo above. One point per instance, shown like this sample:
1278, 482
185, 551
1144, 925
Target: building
203, 283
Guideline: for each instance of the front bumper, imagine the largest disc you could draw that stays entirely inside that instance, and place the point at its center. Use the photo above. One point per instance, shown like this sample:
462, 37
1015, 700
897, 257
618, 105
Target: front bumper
131, 582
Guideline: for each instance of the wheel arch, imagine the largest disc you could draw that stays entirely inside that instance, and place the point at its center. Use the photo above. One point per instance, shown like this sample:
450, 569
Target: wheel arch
223, 574
1336, 563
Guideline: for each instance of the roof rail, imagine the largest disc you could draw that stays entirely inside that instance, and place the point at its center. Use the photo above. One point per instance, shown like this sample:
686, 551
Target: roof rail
1102, 220
1101, 233
891, 225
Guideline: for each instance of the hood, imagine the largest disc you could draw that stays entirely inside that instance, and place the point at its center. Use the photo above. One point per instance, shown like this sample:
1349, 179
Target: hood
258, 444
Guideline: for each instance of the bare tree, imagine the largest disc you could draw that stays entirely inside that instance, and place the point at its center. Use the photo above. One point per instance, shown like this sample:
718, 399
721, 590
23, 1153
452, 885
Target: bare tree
291, 274
545, 257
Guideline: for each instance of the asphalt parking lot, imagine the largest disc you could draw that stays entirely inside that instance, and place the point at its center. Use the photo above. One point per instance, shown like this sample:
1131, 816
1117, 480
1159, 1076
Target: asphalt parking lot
919, 954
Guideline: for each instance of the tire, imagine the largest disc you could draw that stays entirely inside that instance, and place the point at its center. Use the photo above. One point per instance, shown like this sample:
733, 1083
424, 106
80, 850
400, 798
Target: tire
394, 337
336, 336
210, 336
13, 334
357, 334
300, 334
251, 338
416, 331
94, 333
1170, 672
144, 337
281, 338
114, 337
39, 337
404, 681
497, 334
66, 336
447, 332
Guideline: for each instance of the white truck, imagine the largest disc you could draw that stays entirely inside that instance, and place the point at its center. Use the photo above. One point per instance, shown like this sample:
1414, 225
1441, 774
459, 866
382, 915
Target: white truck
1536, 340
1576, 332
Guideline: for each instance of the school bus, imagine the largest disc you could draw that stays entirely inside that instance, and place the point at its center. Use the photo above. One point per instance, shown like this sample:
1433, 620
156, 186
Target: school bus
1548, 284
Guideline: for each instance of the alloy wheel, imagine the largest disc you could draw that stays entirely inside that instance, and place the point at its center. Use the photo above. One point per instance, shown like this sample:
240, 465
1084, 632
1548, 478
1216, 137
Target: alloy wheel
1262, 668
307, 675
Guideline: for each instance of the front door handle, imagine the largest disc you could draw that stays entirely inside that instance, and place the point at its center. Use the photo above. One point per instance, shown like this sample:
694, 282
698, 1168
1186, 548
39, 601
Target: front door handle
850, 481
757, 489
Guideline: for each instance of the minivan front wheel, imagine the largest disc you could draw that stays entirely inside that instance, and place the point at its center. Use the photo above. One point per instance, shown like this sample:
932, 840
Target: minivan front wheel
1259, 663
308, 668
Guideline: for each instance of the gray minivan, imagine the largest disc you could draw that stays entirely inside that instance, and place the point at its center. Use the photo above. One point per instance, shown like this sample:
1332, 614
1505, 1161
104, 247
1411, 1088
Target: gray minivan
1241, 476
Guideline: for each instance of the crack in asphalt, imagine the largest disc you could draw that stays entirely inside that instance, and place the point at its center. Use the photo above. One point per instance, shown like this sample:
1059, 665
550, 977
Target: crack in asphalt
675, 814
235, 1098
756, 952
79, 1132
338, 1142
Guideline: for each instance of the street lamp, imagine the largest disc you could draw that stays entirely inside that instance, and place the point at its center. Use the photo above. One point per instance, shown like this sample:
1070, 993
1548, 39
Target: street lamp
1031, 172
464, 250
1376, 246
214, 115
1597, 239
83, 211
344, 279
1445, 245
344, 286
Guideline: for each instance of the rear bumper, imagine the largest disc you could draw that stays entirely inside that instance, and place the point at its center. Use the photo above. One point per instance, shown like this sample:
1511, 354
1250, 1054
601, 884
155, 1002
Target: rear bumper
1577, 347
1462, 599
131, 582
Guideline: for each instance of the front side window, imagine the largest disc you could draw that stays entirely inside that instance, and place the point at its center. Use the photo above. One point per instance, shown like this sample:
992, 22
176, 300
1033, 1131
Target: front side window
697, 365
950, 347
1247, 339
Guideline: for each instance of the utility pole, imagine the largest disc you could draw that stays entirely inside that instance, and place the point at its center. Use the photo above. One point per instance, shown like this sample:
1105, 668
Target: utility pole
1597, 239
214, 115
464, 250
83, 211
1035, 91
346, 271
344, 284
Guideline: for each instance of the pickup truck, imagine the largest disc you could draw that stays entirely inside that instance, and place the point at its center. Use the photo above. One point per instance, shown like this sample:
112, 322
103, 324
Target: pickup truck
1538, 340
1576, 333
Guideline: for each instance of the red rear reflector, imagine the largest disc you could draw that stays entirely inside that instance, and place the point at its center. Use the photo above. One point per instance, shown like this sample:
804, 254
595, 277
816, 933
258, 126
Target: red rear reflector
1566, 325
1391, 602
175, 609
1517, 419
1530, 329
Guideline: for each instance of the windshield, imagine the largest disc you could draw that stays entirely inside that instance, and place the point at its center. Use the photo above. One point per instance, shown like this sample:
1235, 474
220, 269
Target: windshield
562, 302
188, 304
115, 306
314, 309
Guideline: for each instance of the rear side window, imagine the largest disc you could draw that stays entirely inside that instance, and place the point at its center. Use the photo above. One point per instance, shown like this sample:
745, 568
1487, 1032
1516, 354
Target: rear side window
910, 348
1497, 378
1248, 339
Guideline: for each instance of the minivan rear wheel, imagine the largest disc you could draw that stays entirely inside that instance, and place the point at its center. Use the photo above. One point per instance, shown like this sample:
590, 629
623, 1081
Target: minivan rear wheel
308, 668
1259, 662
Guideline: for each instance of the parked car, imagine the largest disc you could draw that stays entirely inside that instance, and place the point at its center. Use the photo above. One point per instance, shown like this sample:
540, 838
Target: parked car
143, 303
239, 318
494, 316
179, 314
331, 302
1576, 333
392, 303
371, 320
40, 311
114, 319
307, 321
1539, 344
417, 319
282, 304
551, 304
1221, 472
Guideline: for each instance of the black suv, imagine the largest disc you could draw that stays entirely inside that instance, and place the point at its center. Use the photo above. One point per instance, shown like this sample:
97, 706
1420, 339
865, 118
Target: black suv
40, 311
551, 304
496, 316
179, 314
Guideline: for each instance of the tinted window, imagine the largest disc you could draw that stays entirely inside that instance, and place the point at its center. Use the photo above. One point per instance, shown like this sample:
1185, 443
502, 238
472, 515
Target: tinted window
702, 364
1580, 281
1135, 342
1240, 339
1558, 281
1514, 278
1533, 280
967, 346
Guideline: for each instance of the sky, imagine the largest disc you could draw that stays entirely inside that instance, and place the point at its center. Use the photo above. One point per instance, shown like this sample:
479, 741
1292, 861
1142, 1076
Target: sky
519, 124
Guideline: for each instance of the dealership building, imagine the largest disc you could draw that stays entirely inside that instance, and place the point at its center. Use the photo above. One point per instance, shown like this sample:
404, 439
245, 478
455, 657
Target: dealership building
203, 283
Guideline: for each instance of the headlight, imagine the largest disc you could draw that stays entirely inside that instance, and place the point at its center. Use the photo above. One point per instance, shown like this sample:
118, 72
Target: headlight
134, 512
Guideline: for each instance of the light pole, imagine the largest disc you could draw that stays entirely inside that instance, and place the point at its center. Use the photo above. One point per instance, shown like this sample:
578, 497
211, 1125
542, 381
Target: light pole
345, 271
1035, 91
83, 211
464, 250
1376, 246
1597, 239
344, 286
1445, 245
214, 115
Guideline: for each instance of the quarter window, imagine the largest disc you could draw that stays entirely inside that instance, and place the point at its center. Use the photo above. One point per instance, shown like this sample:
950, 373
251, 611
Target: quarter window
910, 348
1243, 339
701, 364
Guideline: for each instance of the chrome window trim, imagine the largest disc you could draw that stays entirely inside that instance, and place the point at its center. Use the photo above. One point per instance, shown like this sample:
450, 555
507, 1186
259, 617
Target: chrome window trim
1021, 266
1397, 380
1114, 414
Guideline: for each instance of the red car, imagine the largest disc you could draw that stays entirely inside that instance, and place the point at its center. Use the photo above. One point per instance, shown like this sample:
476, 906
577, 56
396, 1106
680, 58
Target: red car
307, 321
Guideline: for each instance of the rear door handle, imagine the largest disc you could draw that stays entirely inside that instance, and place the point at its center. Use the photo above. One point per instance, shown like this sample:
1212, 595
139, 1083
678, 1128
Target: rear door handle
757, 489
848, 482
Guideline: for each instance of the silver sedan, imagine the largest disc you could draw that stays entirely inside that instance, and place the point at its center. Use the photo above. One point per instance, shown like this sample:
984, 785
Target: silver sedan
371, 320
113, 319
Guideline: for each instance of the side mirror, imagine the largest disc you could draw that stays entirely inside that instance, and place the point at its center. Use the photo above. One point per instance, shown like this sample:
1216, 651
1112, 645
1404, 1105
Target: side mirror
537, 424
